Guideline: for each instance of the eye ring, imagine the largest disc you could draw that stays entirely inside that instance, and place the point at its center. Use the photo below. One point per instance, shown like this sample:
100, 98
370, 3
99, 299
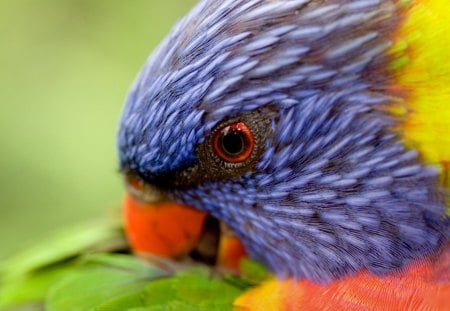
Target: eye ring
234, 143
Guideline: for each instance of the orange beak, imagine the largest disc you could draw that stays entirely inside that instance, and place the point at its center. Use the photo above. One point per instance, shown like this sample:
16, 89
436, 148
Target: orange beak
156, 226
164, 229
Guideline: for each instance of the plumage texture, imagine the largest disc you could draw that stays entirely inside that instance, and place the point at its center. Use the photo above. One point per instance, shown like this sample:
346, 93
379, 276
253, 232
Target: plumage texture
423, 286
422, 74
336, 190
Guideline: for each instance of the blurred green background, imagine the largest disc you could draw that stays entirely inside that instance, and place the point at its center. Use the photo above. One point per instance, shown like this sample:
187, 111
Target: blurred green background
65, 68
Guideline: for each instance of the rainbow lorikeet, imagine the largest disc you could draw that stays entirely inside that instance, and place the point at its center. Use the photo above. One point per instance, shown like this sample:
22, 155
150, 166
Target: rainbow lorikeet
317, 132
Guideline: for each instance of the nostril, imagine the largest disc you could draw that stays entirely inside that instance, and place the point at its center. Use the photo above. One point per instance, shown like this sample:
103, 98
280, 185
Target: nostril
143, 191
133, 182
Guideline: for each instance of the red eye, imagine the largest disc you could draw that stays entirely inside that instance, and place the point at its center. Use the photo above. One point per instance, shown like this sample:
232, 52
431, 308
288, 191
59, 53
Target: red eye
234, 143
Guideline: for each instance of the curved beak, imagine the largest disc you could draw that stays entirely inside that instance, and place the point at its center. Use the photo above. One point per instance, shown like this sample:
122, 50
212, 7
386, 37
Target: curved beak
161, 228
156, 226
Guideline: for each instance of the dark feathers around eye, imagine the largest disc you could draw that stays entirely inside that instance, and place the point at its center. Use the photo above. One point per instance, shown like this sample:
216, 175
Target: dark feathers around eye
210, 167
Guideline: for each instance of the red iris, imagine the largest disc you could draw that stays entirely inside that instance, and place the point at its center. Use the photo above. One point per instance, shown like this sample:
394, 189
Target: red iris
234, 143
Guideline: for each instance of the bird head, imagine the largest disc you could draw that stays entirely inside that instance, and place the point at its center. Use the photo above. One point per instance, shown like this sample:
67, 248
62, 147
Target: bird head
271, 116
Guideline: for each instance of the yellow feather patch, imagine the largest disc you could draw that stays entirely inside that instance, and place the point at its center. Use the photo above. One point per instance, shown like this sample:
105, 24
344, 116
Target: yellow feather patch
268, 296
421, 68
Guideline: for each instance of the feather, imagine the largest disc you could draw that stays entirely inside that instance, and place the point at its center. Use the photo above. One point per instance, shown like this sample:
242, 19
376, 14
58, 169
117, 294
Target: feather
421, 71
423, 286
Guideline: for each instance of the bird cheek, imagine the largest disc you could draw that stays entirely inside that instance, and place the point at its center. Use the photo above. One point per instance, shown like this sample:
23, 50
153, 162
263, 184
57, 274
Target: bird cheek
164, 228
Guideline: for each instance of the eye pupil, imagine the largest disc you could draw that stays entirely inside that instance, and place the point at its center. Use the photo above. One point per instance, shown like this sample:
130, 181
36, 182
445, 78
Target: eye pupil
232, 143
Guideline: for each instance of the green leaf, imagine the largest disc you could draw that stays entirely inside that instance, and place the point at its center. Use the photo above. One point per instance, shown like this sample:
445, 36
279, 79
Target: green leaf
191, 290
105, 281
62, 246
30, 288
253, 271
124, 301
170, 306
68, 273
26, 277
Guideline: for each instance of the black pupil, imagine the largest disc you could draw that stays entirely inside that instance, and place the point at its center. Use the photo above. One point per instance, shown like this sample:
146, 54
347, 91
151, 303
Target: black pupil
232, 143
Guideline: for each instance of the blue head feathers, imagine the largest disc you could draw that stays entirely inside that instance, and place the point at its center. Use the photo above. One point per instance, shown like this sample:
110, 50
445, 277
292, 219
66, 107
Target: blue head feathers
330, 189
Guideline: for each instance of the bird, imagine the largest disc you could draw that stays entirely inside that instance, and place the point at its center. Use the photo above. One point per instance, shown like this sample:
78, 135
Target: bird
316, 131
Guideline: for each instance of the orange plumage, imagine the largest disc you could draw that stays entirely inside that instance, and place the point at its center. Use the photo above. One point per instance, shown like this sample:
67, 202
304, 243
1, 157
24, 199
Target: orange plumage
423, 286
